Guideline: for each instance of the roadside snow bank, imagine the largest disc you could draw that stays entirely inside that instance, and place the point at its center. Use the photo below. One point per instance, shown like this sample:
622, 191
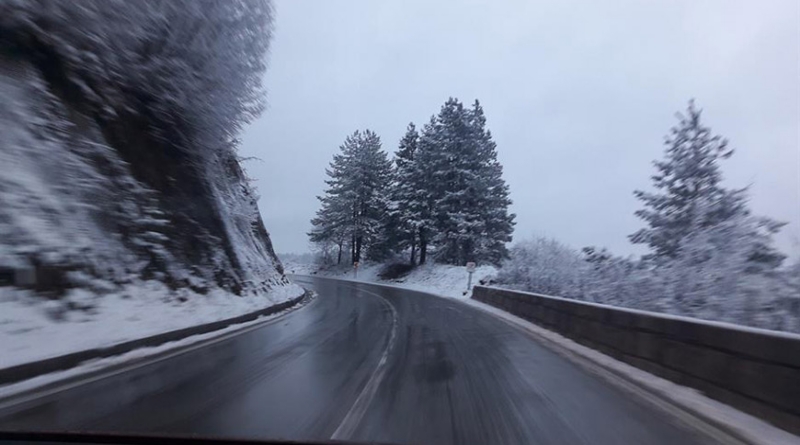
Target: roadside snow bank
446, 280
441, 279
32, 328
132, 356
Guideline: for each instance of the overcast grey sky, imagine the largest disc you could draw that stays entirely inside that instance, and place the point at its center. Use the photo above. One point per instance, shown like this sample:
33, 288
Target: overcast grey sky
578, 96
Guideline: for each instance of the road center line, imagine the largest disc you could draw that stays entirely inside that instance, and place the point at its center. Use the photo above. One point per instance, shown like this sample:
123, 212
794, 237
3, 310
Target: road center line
348, 425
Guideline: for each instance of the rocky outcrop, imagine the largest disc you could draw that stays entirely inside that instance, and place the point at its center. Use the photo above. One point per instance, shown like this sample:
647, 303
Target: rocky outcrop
96, 196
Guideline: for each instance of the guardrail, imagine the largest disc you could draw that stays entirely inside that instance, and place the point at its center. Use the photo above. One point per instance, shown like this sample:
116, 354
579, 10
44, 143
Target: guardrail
754, 370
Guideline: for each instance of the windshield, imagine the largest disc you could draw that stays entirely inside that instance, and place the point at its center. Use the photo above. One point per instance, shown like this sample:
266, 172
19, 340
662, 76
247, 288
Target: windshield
400, 222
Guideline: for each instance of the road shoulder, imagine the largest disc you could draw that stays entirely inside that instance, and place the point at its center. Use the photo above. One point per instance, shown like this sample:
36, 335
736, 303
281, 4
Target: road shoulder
99, 367
709, 417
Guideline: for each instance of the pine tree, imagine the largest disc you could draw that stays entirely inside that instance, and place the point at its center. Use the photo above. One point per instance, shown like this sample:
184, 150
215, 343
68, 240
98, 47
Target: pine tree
355, 206
498, 224
462, 196
330, 225
690, 195
423, 187
372, 179
406, 149
689, 173
456, 210
403, 216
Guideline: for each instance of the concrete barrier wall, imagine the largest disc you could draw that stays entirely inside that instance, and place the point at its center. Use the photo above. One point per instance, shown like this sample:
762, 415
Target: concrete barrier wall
754, 370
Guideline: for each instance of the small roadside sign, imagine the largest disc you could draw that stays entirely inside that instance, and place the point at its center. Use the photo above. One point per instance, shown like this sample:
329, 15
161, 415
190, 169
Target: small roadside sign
470, 271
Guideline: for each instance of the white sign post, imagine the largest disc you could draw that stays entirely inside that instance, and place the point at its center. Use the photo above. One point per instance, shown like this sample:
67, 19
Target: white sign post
470, 271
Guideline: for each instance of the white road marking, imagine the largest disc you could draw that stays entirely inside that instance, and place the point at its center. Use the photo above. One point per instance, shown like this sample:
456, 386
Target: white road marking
348, 425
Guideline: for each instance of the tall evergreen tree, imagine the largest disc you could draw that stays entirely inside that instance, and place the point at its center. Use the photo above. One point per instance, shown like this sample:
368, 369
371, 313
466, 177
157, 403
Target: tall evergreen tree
461, 190
458, 218
498, 224
403, 216
426, 187
690, 196
423, 188
354, 206
330, 225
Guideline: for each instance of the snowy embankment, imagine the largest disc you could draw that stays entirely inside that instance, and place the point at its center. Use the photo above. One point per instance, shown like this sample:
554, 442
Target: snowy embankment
32, 330
124, 210
87, 287
439, 279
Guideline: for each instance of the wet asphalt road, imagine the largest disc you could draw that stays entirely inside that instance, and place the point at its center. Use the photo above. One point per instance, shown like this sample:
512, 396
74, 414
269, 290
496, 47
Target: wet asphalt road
363, 363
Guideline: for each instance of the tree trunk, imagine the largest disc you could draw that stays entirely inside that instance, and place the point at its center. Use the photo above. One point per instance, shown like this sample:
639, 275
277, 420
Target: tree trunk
423, 247
413, 249
353, 248
339, 255
467, 253
358, 249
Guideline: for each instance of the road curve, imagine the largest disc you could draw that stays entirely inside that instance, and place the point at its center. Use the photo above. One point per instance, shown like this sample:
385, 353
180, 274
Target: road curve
363, 363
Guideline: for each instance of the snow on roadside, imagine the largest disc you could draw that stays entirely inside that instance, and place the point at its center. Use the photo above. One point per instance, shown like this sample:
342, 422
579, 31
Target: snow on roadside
446, 280
103, 363
32, 328
440, 279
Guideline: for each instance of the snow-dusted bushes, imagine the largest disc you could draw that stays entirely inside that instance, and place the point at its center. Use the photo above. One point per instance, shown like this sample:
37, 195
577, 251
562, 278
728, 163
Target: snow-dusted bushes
544, 266
715, 276
712, 278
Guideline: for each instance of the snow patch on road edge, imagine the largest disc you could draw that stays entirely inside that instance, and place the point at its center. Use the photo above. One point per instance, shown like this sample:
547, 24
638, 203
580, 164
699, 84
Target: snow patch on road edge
135, 358
30, 332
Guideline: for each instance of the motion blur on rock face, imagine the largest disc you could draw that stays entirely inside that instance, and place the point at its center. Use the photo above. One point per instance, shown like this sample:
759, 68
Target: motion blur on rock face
118, 125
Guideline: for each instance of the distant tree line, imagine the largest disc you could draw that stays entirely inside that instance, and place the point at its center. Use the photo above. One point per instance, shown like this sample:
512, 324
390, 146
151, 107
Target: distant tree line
443, 195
